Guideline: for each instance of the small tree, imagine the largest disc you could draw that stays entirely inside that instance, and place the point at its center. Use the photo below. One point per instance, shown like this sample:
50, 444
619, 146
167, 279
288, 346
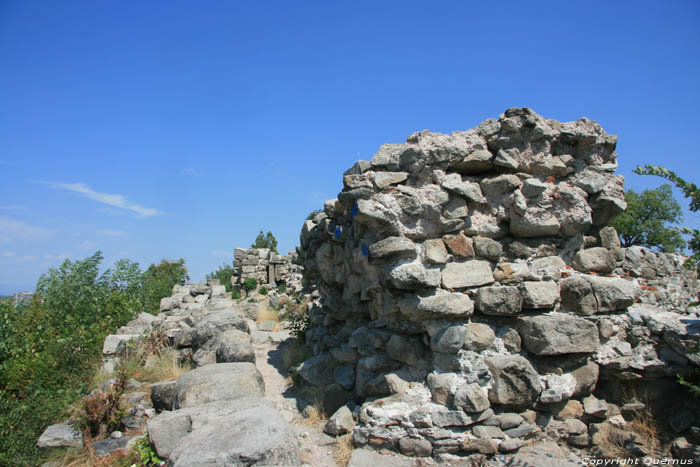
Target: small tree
265, 241
647, 218
690, 190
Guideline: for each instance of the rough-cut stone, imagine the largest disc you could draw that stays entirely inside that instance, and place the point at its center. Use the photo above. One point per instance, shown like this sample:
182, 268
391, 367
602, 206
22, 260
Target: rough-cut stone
439, 304
499, 301
449, 339
234, 346
515, 381
317, 370
539, 295
385, 179
392, 247
340, 422
412, 276
487, 248
459, 245
471, 398
435, 251
488, 432
415, 447
470, 274
470, 190
405, 349
594, 259
478, 337
558, 334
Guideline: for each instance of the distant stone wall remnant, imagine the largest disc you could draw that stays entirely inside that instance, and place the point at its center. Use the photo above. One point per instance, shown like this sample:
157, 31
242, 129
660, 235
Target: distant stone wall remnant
264, 265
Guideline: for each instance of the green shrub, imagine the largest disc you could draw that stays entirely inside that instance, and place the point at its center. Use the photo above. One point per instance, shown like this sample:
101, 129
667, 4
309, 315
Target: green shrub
282, 288
50, 348
262, 290
235, 294
265, 241
250, 284
147, 452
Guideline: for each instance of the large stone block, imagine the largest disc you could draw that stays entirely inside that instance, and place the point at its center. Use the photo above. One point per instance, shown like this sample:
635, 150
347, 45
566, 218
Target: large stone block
558, 334
515, 381
499, 301
468, 274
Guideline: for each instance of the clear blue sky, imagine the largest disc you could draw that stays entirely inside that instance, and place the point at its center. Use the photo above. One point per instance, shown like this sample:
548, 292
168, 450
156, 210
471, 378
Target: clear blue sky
179, 129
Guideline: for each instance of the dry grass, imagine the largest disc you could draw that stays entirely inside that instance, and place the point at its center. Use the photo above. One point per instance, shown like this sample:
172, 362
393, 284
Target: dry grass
640, 432
268, 314
161, 367
342, 450
87, 458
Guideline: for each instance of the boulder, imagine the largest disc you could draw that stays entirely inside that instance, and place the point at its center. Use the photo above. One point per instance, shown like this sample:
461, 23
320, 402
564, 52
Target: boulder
437, 305
60, 436
252, 436
318, 370
487, 248
515, 381
115, 344
558, 334
234, 346
450, 339
471, 398
435, 251
222, 381
409, 350
478, 337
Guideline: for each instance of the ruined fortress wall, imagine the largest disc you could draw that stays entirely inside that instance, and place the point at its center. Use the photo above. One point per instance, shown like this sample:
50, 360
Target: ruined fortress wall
474, 272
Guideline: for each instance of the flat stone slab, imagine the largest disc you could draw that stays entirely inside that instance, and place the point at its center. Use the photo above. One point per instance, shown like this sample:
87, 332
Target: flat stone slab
366, 458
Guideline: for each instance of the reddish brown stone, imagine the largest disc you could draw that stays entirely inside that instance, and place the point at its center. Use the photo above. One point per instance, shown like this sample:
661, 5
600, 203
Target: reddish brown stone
459, 245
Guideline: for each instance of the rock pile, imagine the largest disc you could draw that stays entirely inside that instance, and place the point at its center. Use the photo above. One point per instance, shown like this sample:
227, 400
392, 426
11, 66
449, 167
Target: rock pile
215, 414
471, 290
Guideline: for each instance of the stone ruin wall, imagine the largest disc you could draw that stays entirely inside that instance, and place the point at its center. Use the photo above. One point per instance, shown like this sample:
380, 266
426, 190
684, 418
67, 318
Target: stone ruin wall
471, 277
263, 265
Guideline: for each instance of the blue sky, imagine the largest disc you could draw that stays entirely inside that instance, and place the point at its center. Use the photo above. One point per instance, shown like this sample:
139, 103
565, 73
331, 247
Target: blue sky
179, 129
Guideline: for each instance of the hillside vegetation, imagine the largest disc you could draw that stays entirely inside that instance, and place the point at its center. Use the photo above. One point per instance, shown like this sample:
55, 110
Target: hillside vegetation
50, 348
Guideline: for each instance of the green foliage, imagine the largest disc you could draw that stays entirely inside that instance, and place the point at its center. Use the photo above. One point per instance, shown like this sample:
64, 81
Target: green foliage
223, 274
250, 284
282, 288
647, 218
50, 347
158, 282
235, 294
690, 190
298, 319
147, 452
262, 290
265, 241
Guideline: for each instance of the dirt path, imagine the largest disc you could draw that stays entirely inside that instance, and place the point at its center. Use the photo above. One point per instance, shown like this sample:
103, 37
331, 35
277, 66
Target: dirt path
316, 448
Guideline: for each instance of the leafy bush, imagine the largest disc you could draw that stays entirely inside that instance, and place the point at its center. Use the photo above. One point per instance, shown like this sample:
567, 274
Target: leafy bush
262, 290
250, 284
235, 294
50, 348
649, 220
282, 288
147, 452
223, 274
265, 241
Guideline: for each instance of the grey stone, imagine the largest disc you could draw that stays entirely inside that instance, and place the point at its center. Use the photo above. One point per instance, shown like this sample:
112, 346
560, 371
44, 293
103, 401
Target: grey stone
594, 260
488, 432
340, 422
415, 447
558, 334
107, 446
318, 370
412, 276
369, 457
344, 375
479, 337
440, 304
482, 446
60, 436
115, 344
509, 420
441, 386
234, 346
476, 162
595, 407
162, 395
499, 301
515, 381
471, 398
532, 188
512, 341
251, 436
468, 274
222, 381
487, 248
448, 340
392, 247
539, 295
456, 208
435, 251
497, 186
510, 445
523, 429
409, 350
470, 190
534, 223
385, 179
610, 238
